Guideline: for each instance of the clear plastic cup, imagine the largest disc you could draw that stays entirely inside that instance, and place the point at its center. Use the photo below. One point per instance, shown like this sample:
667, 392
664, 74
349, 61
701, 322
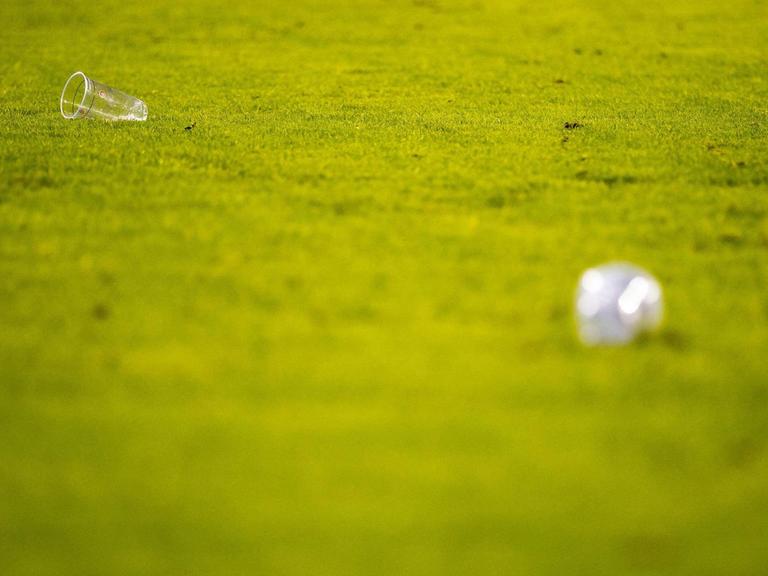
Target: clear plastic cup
616, 302
83, 97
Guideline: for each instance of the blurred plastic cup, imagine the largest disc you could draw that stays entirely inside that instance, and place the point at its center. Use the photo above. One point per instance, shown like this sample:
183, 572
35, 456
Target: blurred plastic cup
83, 97
616, 302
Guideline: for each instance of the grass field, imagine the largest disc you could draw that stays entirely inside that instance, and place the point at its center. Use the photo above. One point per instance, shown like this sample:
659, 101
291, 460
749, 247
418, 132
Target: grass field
329, 329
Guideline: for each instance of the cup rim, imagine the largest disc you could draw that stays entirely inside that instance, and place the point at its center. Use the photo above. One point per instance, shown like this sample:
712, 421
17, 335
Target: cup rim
82, 101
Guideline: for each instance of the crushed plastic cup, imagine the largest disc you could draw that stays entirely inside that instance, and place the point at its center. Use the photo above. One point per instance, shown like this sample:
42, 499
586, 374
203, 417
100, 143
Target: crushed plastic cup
615, 303
84, 97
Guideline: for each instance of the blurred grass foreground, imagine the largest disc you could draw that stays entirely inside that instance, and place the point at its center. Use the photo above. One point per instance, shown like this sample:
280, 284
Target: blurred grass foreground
315, 315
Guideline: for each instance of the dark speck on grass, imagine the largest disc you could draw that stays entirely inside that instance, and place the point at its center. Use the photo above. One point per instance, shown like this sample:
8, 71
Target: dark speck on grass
572, 125
293, 282
559, 81
339, 209
100, 311
191, 126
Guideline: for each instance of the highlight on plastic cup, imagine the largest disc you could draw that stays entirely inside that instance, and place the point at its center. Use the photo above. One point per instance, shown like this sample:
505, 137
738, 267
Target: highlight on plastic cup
84, 97
616, 302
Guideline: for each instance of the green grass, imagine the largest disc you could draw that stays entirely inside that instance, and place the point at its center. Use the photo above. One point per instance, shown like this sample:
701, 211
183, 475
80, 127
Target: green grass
329, 330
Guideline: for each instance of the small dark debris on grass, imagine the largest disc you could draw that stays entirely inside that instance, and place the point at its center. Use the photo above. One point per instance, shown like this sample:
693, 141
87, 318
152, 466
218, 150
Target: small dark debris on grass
572, 125
559, 81
100, 311
339, 209
191, 126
